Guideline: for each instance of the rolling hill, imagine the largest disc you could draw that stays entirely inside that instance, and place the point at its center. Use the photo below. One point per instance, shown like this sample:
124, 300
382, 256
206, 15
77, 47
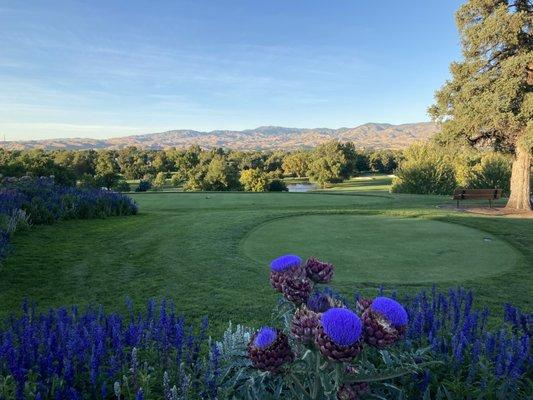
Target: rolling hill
371, 135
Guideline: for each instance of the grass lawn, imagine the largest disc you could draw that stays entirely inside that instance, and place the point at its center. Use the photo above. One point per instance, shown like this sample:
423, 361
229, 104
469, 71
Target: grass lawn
209, 252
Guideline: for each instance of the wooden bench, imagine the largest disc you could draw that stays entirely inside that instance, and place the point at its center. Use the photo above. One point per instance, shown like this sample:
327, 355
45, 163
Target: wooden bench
477, 194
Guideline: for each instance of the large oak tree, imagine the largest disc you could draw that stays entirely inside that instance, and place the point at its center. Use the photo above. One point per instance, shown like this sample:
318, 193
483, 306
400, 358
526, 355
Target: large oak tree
489, 99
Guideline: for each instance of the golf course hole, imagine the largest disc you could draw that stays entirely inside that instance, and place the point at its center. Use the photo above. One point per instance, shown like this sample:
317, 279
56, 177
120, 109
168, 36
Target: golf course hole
384, 249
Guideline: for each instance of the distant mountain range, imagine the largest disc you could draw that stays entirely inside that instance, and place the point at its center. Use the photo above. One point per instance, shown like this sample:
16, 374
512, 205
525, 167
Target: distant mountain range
371, 135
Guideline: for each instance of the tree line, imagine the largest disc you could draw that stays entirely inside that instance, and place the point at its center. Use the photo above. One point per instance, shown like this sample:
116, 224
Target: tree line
195, 168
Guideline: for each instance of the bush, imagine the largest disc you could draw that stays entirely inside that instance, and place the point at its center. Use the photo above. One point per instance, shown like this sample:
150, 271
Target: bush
254, 180
122, 186
433, 169
160, 180
176, 180
143, 186
492, 172
277, 185
426, 169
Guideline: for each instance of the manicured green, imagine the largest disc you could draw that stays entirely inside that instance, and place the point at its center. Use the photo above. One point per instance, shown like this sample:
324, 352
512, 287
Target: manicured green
209, 251
381, 249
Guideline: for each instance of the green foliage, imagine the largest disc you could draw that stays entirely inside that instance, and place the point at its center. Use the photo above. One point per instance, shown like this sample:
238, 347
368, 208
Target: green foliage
383, 161
144, 185
493, 171
122, 186
277, 185
489, 98
425, 170
328, 164
221, 175
106, 170
296, 164
160, 180
434, 169
254, 180
194, 168
176, 180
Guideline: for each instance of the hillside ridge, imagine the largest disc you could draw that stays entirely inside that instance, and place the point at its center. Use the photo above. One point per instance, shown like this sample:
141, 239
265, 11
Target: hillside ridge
369, 135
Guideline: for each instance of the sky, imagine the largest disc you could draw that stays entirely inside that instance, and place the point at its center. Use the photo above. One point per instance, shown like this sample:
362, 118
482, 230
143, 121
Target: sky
113, 68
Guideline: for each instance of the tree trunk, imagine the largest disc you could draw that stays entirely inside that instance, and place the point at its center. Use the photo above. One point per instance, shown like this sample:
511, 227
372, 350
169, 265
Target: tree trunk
520, 198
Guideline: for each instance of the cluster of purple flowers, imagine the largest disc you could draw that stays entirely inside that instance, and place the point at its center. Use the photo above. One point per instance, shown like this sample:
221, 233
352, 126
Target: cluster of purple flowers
474, 354
66, 354
41, 201
323, 323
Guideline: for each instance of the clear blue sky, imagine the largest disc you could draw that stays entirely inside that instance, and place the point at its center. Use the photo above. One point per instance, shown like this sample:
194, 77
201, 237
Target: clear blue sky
111, 68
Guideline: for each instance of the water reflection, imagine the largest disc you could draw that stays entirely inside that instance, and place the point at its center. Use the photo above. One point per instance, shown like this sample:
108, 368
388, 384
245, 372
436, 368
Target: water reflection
301, 187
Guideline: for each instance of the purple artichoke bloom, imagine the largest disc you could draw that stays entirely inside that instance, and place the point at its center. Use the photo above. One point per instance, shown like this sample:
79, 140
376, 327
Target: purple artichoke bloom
269, 349
390, 309
265, 337
338, 336
285, 263
282, 268
384, 322
343, 326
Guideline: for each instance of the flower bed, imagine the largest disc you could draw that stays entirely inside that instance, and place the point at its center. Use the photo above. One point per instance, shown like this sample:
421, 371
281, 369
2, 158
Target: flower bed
25, 201
317, 345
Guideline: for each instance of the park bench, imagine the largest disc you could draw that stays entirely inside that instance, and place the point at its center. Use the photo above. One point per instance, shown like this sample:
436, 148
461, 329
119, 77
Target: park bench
477, 194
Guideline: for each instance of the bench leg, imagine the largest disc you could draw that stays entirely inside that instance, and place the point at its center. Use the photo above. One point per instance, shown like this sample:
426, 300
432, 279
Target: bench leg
457, 203
490, 203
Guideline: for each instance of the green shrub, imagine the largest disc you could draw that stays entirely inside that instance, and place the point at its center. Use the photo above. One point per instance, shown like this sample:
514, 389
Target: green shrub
176, 180
426, 169
277, 185
493, 171
143, 186
160, 180
122, 186
254, 180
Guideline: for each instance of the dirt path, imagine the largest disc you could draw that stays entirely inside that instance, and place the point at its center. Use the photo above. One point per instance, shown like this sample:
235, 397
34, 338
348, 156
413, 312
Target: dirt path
494, 211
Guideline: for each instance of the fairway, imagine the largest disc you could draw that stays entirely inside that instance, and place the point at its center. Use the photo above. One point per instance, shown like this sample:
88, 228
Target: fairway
384, 250
209, 252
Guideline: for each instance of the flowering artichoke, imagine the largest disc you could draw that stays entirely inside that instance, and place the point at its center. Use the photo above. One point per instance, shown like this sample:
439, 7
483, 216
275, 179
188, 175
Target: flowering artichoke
318, 271
297, 289
352, 391
304, 324
338, 335
283, 267
362, 304
384, 322
269, 349
321, 301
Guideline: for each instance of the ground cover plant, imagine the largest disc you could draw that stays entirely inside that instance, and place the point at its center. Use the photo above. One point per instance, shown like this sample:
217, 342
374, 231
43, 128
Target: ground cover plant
29, 201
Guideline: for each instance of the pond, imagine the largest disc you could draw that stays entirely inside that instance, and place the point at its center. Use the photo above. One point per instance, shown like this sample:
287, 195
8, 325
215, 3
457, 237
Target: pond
301, 187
